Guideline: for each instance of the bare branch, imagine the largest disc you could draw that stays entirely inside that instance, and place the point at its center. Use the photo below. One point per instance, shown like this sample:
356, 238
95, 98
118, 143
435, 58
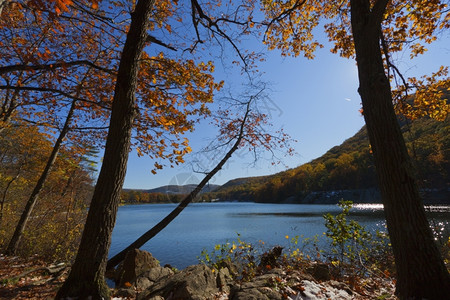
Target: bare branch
390, 64
214, 27
53, 66
52, 90
152, 39
88, 128
283, 15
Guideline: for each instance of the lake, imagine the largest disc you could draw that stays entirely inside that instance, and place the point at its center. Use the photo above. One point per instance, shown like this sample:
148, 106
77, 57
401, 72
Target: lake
203, 225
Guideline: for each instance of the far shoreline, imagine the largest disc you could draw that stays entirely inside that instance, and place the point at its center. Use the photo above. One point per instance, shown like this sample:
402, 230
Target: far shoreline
357, 196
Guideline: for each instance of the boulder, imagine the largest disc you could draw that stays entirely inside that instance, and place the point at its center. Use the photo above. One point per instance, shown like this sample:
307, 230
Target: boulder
260, 288
224, 280
148, 278
125, 293
193, 283
340, 286
322, 291
136, 262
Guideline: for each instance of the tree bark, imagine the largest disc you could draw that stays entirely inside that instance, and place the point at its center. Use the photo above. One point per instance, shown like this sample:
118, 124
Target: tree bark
18, 232
119, 257
86, 278
3, 3
421, 272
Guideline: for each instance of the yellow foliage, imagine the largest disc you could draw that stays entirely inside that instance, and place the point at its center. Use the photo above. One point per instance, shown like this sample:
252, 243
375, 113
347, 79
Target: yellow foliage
431, 95
55, 226
172, 94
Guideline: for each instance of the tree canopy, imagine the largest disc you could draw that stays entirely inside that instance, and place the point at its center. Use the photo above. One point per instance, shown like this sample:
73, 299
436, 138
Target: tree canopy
136, 73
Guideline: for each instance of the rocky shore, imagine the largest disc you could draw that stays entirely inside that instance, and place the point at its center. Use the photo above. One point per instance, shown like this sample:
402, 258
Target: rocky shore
141, 277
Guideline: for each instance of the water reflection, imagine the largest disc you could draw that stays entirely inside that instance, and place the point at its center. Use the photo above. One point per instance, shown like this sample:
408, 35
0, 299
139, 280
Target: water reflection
438, 218
368, 206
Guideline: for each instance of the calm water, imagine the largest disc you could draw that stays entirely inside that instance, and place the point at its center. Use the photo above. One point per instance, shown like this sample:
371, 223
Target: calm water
203, 225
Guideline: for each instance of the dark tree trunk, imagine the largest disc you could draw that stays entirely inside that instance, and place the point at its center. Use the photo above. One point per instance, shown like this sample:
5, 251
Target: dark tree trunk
119, 257
421, 272
86, 278
14, 242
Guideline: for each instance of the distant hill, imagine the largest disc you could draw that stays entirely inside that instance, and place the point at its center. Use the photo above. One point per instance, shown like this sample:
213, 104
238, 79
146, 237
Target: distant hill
348, 171
163, 194
181, 189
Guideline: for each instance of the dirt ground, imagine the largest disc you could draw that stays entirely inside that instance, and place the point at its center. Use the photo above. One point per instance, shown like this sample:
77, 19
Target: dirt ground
29, 278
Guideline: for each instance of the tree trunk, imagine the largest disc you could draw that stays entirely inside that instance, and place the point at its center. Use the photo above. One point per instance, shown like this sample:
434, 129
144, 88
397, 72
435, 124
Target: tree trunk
119, 257
421, 272
5, 193
3, 3
86, 278
18, 232
9, 105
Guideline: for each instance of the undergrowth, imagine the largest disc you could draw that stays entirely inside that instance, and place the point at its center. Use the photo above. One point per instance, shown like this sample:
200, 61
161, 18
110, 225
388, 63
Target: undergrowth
352, 254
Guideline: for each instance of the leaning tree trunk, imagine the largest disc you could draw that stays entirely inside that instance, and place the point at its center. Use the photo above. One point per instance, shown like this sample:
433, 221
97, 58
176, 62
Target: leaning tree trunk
86, 278
421, 272
119, 257
18, 232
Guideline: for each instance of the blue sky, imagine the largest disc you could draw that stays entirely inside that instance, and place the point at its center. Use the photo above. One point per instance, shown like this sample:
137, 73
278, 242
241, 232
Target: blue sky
315, 101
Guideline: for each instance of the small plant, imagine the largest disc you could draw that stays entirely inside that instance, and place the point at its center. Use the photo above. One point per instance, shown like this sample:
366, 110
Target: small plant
300, 249
240, 257
293, 250
352, 245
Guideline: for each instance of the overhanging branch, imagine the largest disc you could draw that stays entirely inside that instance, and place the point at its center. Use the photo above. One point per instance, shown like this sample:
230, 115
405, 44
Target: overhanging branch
52, 90
53, 66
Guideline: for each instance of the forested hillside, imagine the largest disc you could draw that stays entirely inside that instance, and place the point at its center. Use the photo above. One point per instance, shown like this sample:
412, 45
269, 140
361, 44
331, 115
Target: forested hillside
55, 227
350, 166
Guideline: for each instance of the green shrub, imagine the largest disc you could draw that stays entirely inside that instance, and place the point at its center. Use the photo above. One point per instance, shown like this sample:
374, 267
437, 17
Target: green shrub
354, 251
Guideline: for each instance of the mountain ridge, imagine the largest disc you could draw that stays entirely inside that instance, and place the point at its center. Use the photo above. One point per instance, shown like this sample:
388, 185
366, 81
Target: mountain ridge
344, 171
176, 189
348, 171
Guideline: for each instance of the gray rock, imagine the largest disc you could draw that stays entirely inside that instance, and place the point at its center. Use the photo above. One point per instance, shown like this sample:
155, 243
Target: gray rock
125, 293
260, 288
298, 276
321, 291
340, 286
193, 283
148, 278
224, 280
142, 283
227, 264
277, 272
136, 262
